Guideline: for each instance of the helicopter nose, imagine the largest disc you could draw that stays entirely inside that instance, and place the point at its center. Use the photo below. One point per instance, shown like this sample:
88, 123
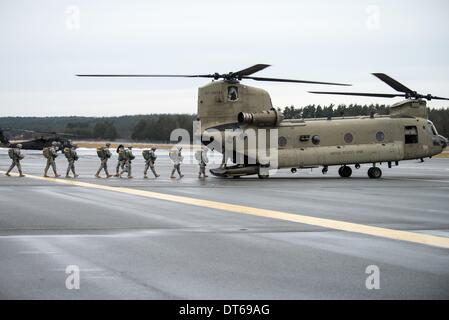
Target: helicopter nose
443, 141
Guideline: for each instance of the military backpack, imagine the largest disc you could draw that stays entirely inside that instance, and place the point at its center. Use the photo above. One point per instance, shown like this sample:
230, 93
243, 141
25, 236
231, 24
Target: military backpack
198, 155
129, 155
11, 154
101, 153
46, 152
146, 154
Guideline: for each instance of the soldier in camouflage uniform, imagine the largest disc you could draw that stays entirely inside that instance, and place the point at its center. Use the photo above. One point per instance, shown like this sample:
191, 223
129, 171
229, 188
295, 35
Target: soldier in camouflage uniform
51, 159
16, 156
201, 157
121, 160
128, 162
176, 157
149, 162
104, 154
72, 156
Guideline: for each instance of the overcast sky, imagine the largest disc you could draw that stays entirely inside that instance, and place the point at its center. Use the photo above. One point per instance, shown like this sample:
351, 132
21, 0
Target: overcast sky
43, 44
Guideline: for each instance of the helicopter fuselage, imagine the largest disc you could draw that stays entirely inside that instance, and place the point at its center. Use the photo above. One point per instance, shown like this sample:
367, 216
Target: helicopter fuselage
404, 134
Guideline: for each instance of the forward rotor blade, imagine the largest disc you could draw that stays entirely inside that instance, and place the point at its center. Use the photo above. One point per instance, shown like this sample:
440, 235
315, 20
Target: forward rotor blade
436, 98
149, 75
396, 85
295, 81
362, 94
251, 70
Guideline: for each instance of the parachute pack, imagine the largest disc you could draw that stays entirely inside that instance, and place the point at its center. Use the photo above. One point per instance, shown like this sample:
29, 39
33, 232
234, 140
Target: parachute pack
11, 154
201, 156
198, 155
100, 152
70, 154
46, 152
146, 154
173, 154
129, 155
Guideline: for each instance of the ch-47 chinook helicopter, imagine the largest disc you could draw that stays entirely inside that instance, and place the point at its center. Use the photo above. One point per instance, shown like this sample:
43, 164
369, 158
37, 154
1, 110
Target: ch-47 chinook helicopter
45, 140
228, 104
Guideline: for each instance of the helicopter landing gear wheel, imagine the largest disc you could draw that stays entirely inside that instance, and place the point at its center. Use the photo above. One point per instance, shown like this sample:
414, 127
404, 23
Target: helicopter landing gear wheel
325, 169
374, 173
345, 172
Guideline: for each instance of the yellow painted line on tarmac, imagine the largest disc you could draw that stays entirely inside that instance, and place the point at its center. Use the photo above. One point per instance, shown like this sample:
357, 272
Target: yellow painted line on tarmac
419, 238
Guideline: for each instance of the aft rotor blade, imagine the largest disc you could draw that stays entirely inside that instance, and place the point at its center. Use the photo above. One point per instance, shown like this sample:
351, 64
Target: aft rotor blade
295, 81
149, 75
362, 94
396, 85
435, 98
251, 70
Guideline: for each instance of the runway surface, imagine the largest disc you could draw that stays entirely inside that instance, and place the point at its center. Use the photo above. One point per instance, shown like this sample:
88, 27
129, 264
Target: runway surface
136, 241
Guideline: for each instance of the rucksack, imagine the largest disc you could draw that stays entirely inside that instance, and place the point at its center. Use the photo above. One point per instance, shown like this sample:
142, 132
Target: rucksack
198, 155
11, 154
129, 155
101, 153
146, 154
173, 154
46, 152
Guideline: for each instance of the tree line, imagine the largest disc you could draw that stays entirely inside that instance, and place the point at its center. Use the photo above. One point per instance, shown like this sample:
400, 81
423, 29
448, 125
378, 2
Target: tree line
157, 127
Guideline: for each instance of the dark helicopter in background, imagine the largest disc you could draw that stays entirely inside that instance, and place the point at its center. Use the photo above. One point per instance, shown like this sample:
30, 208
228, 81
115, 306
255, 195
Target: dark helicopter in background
45, 140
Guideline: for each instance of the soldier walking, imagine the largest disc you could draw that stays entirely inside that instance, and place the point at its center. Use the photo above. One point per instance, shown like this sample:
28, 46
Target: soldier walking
104, 154
71, 156
129, 157
121, 159
177, 158
50, 153
150, 159
201, 157
16, 156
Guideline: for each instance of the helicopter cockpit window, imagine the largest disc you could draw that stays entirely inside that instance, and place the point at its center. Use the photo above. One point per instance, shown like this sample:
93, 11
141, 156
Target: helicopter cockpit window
431, 128
233, 93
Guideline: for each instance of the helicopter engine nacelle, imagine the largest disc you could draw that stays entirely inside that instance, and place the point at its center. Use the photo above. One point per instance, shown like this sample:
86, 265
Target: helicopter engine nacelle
267, 118
220, 102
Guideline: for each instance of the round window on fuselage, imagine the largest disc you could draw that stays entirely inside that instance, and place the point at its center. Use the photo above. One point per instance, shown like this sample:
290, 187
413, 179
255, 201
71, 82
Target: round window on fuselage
316, 140
380, 136
282, 141
348, 137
